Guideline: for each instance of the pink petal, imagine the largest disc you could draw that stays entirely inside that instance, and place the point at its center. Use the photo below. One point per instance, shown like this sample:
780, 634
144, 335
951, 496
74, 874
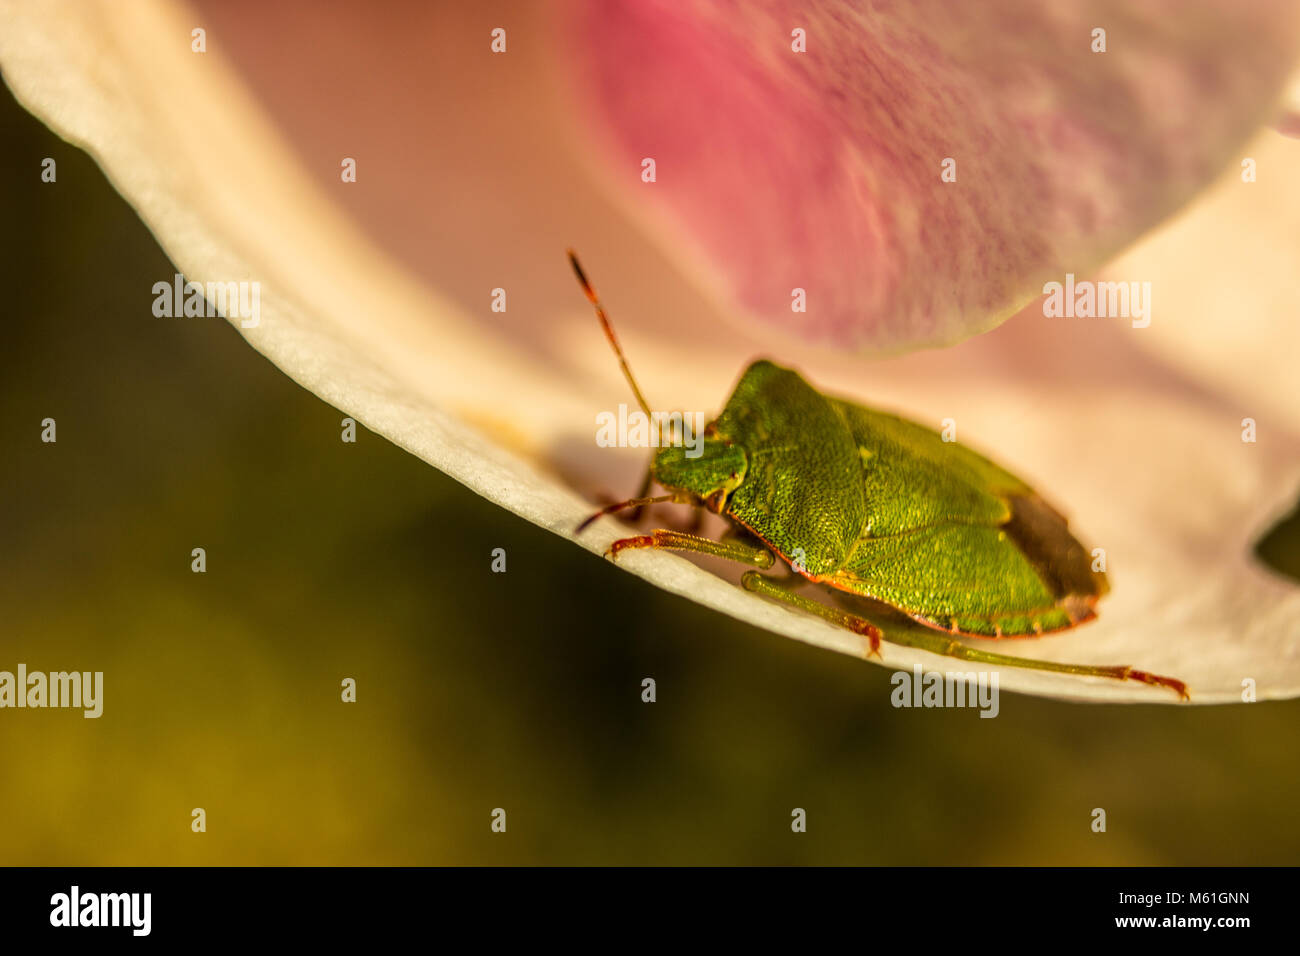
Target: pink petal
821, 170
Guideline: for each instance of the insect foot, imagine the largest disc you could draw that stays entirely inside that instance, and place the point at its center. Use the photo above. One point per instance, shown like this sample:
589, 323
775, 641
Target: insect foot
1155, 680
622, 544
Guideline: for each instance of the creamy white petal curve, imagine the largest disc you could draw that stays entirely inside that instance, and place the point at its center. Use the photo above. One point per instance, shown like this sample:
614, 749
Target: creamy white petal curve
342, 320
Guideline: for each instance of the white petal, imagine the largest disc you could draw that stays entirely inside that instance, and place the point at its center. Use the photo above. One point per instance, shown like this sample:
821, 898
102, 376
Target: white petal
1225, 284
1149, 465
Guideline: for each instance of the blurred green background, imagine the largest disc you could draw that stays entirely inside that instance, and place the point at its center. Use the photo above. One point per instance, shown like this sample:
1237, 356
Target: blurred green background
476, 690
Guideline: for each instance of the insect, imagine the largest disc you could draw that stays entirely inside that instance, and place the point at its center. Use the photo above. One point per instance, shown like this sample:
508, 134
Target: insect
871, 504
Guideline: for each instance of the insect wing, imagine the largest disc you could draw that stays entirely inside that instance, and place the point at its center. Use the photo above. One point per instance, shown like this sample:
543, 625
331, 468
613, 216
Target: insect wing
957, 541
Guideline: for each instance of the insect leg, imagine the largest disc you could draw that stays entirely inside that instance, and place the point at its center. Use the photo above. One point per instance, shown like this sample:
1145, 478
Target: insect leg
677, 498
643, 492
753, 581
938, 643
681, 541
697, 521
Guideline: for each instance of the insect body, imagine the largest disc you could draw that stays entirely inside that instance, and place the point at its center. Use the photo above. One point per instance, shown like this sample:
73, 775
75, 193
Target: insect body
874, 505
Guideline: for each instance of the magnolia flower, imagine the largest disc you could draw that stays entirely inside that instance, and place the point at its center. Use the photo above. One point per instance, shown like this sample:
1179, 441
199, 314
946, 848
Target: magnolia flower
831, 184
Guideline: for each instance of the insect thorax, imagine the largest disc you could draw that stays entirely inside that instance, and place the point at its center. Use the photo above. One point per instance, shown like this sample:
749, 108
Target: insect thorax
710, 471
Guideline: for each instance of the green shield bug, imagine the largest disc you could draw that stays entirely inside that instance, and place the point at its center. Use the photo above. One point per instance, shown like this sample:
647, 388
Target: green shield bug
873, 505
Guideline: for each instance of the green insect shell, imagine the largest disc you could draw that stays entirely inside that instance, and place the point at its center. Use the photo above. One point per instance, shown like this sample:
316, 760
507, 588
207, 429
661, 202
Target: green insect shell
876, 505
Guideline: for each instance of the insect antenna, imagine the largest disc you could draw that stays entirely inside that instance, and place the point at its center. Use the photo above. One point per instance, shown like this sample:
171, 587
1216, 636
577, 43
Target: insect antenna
613, 339
675, 497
